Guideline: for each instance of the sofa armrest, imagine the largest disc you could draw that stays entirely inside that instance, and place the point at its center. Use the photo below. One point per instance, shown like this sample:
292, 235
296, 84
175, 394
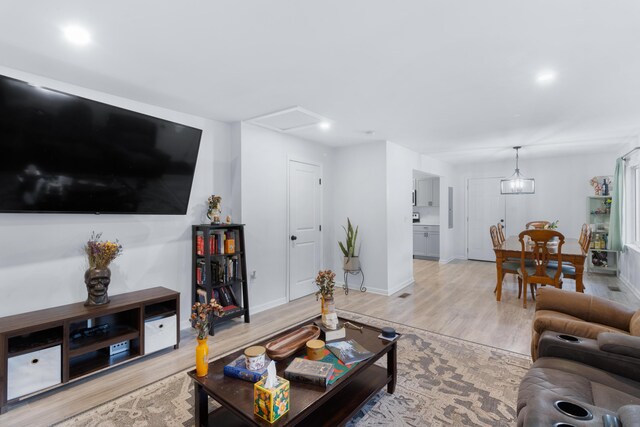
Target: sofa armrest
586, 307
588, 351
626, 345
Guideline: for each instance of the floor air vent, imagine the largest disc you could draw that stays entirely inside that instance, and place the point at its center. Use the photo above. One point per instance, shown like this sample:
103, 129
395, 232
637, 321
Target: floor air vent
404, 295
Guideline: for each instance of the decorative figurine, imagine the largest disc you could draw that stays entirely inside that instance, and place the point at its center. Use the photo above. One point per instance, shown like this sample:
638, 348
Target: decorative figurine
213, 212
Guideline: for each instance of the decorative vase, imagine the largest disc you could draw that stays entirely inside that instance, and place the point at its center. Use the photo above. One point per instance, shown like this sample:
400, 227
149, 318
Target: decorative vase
202, 358
351, 263
97, 281
329, 315
214, 215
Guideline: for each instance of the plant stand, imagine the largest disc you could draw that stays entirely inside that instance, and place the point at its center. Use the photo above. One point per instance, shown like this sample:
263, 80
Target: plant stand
348, 273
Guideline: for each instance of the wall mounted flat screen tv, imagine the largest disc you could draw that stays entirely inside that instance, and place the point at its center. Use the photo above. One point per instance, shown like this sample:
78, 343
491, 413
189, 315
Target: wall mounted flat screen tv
66, 154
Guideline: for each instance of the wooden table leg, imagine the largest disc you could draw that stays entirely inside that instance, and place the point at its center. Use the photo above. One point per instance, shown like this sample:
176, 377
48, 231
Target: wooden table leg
499, 275
201, 408
579, 270
392, 368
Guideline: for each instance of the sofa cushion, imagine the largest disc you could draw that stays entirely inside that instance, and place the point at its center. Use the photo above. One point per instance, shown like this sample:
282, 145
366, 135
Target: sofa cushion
549, 320
634, 324
629, 415
586, 307
576, 381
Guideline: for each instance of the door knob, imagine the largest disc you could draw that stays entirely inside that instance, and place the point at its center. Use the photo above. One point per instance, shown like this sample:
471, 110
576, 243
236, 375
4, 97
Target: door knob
294, 237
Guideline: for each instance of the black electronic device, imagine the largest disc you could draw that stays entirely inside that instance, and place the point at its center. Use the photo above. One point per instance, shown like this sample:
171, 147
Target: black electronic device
67, 154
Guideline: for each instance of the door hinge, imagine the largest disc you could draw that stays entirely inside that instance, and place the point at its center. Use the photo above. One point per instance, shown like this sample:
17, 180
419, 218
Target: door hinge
319, 228
319, 181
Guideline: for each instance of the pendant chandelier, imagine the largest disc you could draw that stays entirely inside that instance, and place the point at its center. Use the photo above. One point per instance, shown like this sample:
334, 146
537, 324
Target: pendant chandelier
517, 183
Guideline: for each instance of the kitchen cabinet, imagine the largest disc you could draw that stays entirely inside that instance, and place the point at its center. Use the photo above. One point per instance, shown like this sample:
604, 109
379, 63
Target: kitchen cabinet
428, 192
426, 241
419, 243
433, 244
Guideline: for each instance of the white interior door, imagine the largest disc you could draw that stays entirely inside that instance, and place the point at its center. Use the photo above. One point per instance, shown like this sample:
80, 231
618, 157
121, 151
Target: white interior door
485, 207
304, 228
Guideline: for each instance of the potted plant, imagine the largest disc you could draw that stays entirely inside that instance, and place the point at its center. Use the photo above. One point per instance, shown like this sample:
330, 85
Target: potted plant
351, 260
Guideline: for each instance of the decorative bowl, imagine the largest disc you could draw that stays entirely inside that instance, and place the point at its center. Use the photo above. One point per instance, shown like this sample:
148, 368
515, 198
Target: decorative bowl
286, 345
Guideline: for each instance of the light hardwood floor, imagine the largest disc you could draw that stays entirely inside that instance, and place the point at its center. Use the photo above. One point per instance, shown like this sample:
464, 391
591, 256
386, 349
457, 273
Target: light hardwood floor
455, 299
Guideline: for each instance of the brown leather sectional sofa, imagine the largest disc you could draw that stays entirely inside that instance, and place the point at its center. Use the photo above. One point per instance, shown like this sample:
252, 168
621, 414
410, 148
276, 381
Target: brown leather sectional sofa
587, 363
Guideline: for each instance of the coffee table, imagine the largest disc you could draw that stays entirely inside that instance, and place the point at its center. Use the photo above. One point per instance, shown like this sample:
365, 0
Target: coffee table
310, 405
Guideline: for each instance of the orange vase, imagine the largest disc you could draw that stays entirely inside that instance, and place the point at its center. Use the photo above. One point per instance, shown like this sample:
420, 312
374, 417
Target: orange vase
202, 358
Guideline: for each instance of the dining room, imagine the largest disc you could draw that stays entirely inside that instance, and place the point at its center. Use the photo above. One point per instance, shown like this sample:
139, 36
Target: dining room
571, 196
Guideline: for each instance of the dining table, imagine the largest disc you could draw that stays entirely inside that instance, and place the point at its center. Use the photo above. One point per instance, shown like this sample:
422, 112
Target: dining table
572, 253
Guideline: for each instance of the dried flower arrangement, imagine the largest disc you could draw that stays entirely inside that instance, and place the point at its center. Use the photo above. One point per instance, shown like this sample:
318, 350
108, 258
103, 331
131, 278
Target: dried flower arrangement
214, 202
597, 187
553, 225
201, 316
326, 283
101, 254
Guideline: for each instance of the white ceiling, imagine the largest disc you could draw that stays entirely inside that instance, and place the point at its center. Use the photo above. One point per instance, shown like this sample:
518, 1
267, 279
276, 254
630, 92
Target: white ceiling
453, 79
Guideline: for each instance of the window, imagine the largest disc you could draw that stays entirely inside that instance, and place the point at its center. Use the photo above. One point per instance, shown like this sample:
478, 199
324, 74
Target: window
636, 204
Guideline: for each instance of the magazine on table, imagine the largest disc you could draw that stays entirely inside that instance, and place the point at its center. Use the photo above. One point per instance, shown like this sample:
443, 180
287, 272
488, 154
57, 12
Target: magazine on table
349, 351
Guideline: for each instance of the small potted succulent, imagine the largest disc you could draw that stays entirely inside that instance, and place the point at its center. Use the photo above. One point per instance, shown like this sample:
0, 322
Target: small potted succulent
348, 248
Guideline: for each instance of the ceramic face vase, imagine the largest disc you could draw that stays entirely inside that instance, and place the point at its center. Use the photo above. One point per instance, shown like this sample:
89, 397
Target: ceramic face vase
97, 281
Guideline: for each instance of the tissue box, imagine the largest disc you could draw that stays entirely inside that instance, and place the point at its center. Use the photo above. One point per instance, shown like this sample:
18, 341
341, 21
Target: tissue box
271, 404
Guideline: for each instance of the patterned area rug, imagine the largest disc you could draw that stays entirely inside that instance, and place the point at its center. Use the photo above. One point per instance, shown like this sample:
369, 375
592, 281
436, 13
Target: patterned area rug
442, 381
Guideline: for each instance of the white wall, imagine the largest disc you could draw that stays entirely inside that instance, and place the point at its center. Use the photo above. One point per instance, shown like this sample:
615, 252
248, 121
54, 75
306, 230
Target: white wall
360, 193
400, 164
264, 170
562, 188
41, 258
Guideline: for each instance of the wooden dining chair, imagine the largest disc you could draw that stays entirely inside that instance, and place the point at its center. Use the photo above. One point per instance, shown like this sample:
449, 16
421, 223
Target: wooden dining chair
500, 228
543, 245
537, 225
583, 232
568, 270
509, 266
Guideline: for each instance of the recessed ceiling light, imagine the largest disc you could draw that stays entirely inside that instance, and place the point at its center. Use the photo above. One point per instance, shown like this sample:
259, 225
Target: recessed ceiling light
77, 35
546, 77
324, 125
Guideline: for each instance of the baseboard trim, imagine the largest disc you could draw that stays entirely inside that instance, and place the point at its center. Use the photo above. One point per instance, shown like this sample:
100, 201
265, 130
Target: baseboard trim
628, 287
448, 260
378, 291
401, 286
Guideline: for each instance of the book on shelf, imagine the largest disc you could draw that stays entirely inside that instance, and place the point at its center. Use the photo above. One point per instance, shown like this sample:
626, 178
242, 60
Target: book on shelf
309, 371
201, 273
331, 334
230, 297
233, 294
238, 369
224, 298
199, 243
202, 296
230, 310
349, 351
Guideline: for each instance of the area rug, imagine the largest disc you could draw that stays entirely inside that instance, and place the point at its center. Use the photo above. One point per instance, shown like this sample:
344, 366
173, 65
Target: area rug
442, 381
